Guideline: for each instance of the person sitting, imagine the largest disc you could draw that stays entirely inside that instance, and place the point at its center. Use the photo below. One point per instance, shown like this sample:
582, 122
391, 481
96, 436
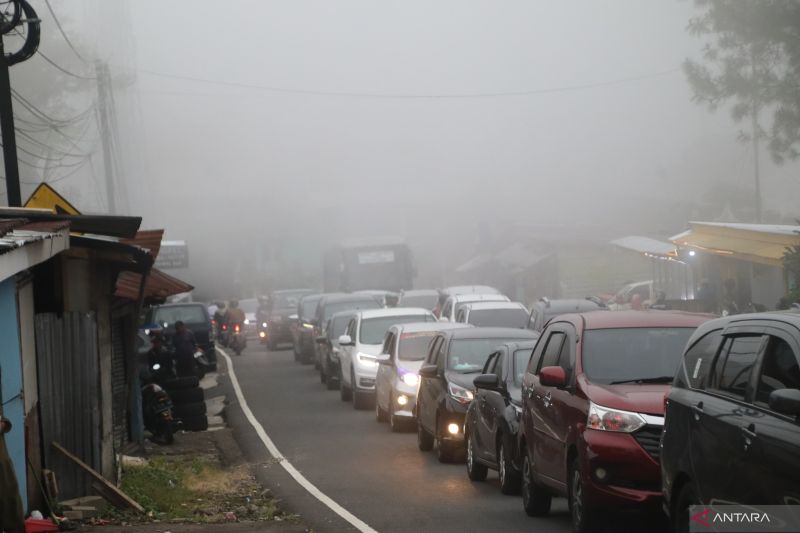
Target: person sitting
185, 346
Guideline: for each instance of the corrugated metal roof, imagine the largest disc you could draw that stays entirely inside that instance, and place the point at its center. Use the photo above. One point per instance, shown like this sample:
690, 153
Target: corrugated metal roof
646, 245
112, 225
19, 237
159, 286
7, 224
148, 239
758, 243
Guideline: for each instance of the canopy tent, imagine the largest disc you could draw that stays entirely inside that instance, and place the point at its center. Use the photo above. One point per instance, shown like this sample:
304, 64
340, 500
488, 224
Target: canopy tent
757, 243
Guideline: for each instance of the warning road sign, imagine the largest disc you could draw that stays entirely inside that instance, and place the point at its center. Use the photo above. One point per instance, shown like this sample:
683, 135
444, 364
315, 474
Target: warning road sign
45, 197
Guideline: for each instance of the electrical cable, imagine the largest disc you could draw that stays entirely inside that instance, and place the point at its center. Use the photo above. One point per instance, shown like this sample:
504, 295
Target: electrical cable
62, 69
63, 33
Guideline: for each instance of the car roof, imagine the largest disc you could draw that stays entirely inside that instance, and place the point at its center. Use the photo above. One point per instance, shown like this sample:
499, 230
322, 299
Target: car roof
479, 297
312, 297
492, 333
478, 306
394, 311
513, 346
420, 327
342, 297
420, 292
469, 289
638, 319
565, 305
343, 314
787, 317
293, 291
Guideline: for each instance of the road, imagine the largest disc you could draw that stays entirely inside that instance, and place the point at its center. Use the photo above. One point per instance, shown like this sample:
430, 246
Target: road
378, 476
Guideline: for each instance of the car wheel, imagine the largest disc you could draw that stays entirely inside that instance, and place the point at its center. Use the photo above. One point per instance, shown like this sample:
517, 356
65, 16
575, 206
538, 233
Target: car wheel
535, 500
396, 423
345, 393
509, 477
585, 519
380, 414
475, 470
680, 515
323, 377
333, 382
444, 451
424, 439
296, 353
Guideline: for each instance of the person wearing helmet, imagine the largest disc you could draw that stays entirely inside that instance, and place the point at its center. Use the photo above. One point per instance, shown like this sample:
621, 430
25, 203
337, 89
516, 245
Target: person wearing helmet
234, 315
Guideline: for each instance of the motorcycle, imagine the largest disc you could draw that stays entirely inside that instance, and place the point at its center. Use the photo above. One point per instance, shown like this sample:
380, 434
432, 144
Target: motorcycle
238, 339
157, 410
202, 364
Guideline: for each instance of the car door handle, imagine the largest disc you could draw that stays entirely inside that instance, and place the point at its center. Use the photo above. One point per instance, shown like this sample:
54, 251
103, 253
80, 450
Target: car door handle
697, 409
749, 433
546, 399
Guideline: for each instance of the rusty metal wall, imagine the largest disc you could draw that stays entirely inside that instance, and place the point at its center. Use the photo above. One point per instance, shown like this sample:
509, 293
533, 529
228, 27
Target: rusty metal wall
66, 349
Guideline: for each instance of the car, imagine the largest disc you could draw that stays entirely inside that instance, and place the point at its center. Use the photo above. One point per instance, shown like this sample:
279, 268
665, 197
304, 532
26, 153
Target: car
273, 317
455, 290
362, 343
491, 428
333, 303
194, 315
250, 308
593, 410
545, 309
494, 314
302, 327
454, 358
454, 303
387, 298
404, 350
732, 429
426, 298
329, 348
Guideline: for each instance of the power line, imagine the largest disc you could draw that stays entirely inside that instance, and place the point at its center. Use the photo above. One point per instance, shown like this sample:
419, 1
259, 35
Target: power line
52, 121
63, 33
548, 90
62, 69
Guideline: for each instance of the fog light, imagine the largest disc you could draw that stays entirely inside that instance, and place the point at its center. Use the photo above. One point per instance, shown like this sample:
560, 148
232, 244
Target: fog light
600, 473
402, 399
453, 428
262, 334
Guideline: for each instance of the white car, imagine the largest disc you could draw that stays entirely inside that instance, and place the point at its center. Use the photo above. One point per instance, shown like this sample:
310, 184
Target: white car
361, 344
453, 303
494, 314
404, 351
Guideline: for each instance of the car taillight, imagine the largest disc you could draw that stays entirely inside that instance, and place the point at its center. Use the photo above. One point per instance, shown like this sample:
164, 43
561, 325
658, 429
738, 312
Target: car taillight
236, 328
224, 327
213, 322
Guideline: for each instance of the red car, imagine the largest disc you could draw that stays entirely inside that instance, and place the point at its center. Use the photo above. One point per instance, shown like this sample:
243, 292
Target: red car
593, 410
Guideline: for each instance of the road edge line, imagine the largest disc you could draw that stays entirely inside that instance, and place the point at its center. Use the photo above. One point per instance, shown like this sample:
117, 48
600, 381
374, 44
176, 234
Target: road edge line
289, 467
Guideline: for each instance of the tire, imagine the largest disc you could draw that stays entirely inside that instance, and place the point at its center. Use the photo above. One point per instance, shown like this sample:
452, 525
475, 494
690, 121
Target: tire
194, 423
509, 477
585, 519
185, 382
475, 470
189, 409
186, 396
296, 352
535, 500
444, 451
362, 400
380, 414
680, 513
396, 423
345, 393
424, 439
322, 377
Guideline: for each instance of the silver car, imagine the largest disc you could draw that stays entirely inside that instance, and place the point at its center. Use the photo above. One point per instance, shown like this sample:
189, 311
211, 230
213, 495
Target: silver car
404, 349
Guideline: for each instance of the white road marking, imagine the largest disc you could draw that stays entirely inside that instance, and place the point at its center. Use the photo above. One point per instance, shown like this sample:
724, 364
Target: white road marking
289, 467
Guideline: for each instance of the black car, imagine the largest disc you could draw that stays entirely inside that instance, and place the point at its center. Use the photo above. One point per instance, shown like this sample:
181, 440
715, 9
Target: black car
331, 304
194, 315
302, 328
492, 424
732, 429
329, 348
274, 316
454, 358
545, 309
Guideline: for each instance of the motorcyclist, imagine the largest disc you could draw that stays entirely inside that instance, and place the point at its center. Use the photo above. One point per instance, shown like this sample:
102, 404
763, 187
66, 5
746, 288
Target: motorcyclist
185, 345
219, 315
158, 355
234, 315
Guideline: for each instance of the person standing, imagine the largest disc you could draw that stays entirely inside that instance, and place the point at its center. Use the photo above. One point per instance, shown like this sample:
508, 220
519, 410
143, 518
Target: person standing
185, 345
12, 519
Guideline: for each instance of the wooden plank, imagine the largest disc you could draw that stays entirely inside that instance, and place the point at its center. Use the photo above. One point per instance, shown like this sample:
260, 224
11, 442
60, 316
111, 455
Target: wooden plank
109, 491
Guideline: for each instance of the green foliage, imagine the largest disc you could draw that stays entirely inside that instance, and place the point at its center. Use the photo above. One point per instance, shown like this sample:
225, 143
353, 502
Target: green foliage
791, 264
751, 55
159, 486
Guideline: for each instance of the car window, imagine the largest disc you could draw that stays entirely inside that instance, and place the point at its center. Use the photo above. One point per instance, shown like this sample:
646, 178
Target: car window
500, 365
373, 330
351, 328
506, 318
447, 307
433, 351
414, 346
387, 343
779, 370
735, 364
522, 359
697, 361
566, 357
488, 368
190, 314
553, 349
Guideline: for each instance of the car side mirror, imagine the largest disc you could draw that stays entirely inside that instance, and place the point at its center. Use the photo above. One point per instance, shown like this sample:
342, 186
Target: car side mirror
429, 371
384, 359
345, 340
785, 401
487, 382
553, 376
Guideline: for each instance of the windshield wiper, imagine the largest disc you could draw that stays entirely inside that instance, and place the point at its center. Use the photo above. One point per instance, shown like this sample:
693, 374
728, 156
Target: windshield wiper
659, 379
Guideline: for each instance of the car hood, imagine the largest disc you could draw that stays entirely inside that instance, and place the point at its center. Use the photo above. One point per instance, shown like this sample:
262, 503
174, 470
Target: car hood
410, 366
281, 313
464, 380
646, 398
371, 349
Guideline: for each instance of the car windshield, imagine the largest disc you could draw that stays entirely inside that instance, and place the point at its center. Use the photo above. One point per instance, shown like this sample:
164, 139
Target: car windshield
337, 326
373, 330
334, 307
286, 300
631, 355
425, 301
190, 314
414, 346
521, 359
505, 318
470, 355
310, 306
249, 306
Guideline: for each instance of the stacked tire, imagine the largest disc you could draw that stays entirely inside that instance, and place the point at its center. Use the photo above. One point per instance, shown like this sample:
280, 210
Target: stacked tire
188, 403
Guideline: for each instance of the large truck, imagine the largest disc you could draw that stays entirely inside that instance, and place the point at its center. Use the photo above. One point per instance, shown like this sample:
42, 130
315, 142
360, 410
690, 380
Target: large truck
368, 264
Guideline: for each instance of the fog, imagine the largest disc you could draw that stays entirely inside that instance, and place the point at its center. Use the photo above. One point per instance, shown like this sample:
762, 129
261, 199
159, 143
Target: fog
443, 122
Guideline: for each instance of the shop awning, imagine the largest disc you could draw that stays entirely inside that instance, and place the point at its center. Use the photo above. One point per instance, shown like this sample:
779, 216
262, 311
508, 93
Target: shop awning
158, 288
646, 245
757, 243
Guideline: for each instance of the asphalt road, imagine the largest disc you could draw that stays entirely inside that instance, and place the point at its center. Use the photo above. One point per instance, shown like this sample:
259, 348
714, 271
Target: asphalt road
378, 476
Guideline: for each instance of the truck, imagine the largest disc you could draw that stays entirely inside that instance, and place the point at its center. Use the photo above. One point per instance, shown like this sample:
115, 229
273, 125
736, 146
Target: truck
369, 264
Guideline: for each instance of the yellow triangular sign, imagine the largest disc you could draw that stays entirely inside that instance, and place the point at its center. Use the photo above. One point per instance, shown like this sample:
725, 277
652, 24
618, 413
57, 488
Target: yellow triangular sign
45, 197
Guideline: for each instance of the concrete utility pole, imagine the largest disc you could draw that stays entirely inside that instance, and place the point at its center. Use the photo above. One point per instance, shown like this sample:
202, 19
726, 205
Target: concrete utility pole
9, 133
756, 136
103, 102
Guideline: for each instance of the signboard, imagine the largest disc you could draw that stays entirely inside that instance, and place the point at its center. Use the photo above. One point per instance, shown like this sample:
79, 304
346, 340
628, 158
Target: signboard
173, 254
376, 257
45, 197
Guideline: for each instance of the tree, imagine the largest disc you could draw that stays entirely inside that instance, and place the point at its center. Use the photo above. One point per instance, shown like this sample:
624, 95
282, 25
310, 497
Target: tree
791, 264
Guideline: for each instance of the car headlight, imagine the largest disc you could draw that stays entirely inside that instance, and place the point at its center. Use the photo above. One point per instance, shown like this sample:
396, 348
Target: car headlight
246, 321
263, 324
411, 379
367, 360
308, 326
605, 419
459, 393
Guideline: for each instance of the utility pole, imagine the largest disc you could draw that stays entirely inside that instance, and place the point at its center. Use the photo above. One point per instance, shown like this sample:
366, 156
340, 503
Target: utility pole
9, 133
103, 101
756, 136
